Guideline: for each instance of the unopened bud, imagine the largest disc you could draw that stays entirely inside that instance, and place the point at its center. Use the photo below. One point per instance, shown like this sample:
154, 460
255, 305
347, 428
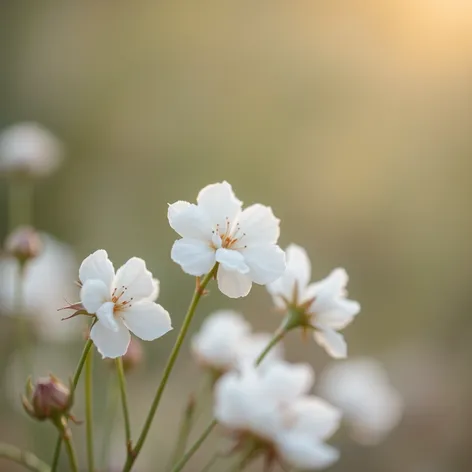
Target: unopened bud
24, 244
50, 399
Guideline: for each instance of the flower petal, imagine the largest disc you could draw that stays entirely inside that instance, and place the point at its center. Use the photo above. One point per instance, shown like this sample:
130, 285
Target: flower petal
93, 294
219, 203
109, 343
156, 290
106, 316
189, 220
147, 320
331, 288
194, 256
232, 260
340, 316
259, 225
267, 263
332, 341
135, 279
233, 284
286, 381
97, 266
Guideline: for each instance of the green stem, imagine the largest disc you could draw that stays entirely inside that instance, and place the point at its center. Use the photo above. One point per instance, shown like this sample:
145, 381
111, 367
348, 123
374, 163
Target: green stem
109, 419
124, 402
211, 462
199, 291
26, 458
75, 381
89, 410
20, 203
22, 322
74, 466
279, 334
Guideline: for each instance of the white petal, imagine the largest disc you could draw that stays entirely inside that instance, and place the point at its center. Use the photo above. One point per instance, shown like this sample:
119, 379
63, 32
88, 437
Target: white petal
267, 263
156, 290
219, 203
305, 453
135, 279
259, 225
109, 343
106, 316
314, 417
93, 294
298, 263
194, 256
232, 283
231, 260
327, 290
339, 316
97, 266
288, 381
332, 341
189, 220
147, 320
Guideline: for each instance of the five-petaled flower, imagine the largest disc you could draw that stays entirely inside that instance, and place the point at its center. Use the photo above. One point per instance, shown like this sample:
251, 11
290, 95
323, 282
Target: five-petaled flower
320, 305
122, 302
217, 230
270, 410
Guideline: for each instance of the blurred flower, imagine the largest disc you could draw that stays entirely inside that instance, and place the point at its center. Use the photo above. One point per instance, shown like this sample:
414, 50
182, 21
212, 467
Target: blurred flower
244, 243
321, 305
45, 284
225, 341
24, 244
133, 356
362, 390
50, 398
28, 149
122, 302
271, 410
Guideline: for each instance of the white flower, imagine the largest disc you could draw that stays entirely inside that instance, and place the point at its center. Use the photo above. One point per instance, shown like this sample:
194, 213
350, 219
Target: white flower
272, 406
225, 341
244, 243
323, 303
361, 388
123, 302
29, 149
46, 285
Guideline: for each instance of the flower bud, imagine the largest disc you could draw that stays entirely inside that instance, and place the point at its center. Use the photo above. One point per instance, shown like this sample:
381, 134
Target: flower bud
50, 399
24, 244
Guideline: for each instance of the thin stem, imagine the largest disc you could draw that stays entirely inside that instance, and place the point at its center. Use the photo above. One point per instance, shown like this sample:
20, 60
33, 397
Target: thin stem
26, 458
199, 291
181, 464
244, 461
75, 381
184, 430
22, 324
279, 334
89, 410
212, 462
74, 466
124, 402
20, 203
109, 418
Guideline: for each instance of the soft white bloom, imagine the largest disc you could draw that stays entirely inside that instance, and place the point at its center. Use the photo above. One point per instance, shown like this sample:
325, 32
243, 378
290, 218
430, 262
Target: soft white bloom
323, 303
123, 302
362, 390
46, 286
226, 341
272, 406
243, 242
29, 149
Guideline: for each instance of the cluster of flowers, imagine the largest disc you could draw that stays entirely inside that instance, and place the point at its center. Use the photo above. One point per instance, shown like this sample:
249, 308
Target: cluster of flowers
261, 400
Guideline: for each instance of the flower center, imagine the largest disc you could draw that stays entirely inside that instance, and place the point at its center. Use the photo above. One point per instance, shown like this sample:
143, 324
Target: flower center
228, 236
117, 298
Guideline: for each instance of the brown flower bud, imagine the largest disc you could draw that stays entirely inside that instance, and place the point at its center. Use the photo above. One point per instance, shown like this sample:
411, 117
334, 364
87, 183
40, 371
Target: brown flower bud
50, 399
24, 243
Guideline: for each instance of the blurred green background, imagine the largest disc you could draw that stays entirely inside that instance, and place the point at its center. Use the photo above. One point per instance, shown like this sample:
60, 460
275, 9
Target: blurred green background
351, 119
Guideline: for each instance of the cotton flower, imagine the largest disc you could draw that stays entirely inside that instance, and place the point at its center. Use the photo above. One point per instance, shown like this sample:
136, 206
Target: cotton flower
28, 149
321, 305
122, 302
362, 390
217, 230
46, 283
271, 409
225, 341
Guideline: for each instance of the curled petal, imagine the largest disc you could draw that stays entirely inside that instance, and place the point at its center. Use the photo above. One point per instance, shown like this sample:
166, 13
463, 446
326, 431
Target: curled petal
232, 260
93, 294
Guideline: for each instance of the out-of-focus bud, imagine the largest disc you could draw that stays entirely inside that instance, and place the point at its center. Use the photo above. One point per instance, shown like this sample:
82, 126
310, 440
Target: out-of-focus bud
24, 243
133, 357
50, 399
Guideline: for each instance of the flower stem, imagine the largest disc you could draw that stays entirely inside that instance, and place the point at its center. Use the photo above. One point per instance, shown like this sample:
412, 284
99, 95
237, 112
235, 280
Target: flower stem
74, 466
279, 334
26, 458
22, 323
89, 410
212, 462
110, 413
20, 203
124, 402
199, 291
75, 381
